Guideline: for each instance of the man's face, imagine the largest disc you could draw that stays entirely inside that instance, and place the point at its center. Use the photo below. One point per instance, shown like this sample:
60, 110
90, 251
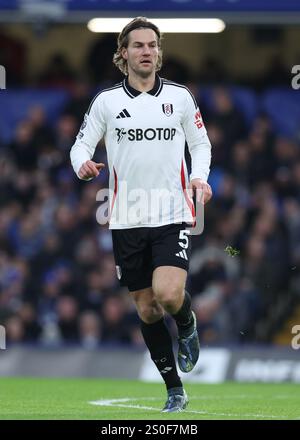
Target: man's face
142, 52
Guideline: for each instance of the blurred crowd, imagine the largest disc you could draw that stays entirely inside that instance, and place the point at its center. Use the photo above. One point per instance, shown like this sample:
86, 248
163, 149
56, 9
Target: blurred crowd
57, 271
97, 65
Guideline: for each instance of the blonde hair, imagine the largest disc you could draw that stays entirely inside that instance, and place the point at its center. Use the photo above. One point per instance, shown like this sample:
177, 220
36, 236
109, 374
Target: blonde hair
123, 41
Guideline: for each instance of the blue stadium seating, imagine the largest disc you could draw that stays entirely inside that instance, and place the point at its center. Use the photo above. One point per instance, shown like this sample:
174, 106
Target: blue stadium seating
14, 106
244, 99
283, 107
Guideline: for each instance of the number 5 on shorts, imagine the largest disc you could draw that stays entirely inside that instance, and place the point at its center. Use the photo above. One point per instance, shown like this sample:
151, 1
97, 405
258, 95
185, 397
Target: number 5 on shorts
183, 236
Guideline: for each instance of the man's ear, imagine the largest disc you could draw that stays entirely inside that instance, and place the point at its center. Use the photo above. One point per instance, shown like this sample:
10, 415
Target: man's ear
124, 53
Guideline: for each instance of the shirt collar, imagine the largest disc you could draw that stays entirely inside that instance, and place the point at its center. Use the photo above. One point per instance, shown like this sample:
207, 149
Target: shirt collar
134, 93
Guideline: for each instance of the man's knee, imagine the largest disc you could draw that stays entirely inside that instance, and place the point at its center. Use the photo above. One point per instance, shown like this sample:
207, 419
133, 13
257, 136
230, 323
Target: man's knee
169, 297
149, 312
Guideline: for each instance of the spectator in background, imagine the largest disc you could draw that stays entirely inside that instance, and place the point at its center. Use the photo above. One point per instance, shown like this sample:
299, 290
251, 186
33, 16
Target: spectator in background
42, 133
227, 117
90, 330
175, 69
32, 328
66, 130
22, 148
67, 318
80, 100
276, 73
14, 330
58, 73
99, 62
13, 56
212, 71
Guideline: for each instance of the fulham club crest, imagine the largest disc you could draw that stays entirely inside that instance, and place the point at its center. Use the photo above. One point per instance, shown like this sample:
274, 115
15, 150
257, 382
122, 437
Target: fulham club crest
167, 109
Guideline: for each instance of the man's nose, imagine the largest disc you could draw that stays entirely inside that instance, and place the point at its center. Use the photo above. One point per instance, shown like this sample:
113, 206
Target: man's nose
146, 50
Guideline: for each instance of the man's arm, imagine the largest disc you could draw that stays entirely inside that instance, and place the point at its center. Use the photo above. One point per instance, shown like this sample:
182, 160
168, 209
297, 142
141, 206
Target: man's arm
200, 150
90, 133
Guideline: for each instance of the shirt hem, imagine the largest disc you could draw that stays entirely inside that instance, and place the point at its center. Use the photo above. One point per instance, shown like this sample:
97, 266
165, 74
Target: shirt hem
151, 225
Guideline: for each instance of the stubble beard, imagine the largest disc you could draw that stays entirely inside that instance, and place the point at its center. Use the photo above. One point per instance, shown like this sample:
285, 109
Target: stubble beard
145, 75
142, 73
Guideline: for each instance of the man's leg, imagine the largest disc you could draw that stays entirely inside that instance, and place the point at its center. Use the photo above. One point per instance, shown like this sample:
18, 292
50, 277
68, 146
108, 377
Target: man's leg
168, 285
157, 336
134, 263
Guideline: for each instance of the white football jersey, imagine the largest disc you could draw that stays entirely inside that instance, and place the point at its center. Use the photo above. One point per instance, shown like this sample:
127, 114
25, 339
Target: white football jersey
145, 135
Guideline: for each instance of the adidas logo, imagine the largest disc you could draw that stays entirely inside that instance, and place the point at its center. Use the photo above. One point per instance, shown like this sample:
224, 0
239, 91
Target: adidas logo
165, 370
182, 254
123, 114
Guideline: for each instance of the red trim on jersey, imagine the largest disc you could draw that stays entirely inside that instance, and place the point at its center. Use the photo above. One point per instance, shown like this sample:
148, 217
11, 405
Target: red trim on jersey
115, 191
187, 199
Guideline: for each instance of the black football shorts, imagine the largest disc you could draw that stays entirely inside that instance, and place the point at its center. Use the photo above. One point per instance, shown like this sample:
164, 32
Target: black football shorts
138, 251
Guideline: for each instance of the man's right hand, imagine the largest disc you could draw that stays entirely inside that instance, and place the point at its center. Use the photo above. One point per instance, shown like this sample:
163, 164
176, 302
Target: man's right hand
90, 169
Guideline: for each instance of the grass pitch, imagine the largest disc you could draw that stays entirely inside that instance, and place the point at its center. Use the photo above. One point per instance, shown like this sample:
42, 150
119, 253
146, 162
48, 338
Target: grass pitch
106, 399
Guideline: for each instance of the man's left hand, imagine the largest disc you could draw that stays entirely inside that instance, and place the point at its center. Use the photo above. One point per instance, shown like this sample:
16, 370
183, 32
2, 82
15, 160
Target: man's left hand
202, 190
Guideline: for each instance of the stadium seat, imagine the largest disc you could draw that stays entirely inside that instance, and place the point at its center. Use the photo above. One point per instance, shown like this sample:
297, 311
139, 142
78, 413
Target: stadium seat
245, 100
282, 105
14, 106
